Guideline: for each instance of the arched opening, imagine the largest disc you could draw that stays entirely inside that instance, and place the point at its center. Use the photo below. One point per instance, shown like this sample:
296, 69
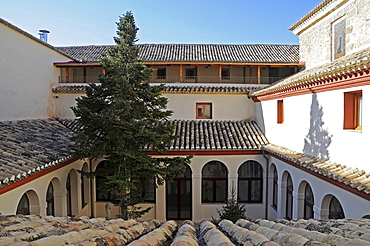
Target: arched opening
100, 180
179, 197
331, 208
29, 204
335, 209
289, 198
275, 188
84, 186
50, 201
308, 203
250, 182
23, 205
71, 195
214, 182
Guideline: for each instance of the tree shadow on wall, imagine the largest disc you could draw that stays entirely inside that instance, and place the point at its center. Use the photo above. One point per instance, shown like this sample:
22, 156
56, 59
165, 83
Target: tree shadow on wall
318, 139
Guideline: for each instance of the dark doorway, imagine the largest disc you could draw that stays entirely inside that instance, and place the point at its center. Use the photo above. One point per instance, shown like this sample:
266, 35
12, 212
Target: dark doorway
179, 197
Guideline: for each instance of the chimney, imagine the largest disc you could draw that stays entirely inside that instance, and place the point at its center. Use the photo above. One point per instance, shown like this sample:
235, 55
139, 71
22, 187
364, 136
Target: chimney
44, 35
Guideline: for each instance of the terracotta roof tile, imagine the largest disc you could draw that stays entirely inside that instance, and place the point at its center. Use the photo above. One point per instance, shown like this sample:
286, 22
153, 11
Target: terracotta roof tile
173, 89
347, 64
353, 177
30, 146
49, 230
250, 53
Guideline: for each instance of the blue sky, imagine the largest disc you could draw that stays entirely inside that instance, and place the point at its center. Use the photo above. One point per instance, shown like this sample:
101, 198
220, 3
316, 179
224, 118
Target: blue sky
89, 22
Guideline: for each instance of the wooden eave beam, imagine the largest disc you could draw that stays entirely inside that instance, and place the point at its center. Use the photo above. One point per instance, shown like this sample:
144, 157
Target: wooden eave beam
220, 63
66, 64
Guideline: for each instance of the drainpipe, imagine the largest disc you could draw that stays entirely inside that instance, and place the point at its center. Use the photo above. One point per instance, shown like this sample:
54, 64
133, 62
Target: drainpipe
267, 183
92, 205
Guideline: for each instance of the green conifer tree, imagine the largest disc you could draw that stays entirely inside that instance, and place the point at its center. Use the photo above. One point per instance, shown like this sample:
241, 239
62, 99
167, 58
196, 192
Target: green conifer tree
121, 118
231, 210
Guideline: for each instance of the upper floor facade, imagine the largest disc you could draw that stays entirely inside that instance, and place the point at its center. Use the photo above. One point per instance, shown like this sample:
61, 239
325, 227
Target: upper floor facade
333, 29
192, 63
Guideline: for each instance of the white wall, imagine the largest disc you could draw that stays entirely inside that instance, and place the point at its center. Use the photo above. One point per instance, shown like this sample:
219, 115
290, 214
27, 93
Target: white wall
346, 147
26, 76
224, 106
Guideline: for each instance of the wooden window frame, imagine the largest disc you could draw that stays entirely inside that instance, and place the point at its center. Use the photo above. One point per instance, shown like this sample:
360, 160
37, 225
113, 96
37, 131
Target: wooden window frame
352, 110
250, 180
215, 183
203, 110
280, 111
225, 73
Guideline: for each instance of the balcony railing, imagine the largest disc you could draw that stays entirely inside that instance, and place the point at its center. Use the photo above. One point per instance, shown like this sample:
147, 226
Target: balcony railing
183, 79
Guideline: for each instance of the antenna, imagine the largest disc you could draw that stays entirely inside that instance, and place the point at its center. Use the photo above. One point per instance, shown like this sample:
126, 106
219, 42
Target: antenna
44, 35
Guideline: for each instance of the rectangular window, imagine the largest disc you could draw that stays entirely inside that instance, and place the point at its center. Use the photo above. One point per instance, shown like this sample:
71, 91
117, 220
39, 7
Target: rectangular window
339, 38
226, 73
161, 73
190, 73
280, 111
353, 110
204, 111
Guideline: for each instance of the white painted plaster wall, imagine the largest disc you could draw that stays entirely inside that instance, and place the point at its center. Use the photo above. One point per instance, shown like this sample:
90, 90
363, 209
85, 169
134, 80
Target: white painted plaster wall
224, 106
354, 206
26, 76
347, 147
63, 103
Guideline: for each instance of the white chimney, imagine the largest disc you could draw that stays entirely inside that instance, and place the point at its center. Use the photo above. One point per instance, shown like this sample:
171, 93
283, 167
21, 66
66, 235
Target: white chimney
44, 35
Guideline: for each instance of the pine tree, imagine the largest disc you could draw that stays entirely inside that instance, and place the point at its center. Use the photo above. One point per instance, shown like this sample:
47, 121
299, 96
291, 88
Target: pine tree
123, 116
232, 210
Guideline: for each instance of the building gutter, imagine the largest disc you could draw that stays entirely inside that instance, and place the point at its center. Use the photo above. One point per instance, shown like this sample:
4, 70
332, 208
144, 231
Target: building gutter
267, 183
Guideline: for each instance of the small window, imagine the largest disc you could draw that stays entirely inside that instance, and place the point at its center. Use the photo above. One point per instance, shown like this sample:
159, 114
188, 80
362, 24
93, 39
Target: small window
335, 209
289, 198
204, 111
353, 110
226, 73
161, 73
146, 189
280, 111
308, 203
23, 205
50, 200
190, 73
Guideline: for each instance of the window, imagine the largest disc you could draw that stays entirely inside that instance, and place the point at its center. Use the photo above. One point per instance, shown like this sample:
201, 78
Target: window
339, 38
275, 189
289, 197
190, 73
161, 73
225, 73
308, 203
101, 195
214, 182
50, 200
335, 209
250, 182
23, 205
69, 195
148, 191
353, 110
84, 186
280, 111
204, 111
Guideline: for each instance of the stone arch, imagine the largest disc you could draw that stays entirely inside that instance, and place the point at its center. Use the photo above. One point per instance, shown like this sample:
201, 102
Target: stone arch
29, 203
57, 195
214, 182
331, 208
305, 200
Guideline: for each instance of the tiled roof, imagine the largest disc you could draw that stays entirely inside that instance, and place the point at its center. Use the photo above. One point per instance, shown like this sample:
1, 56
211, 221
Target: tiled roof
49, 230
347, 64
8, 24
202, 53
172, 89
30, 146
209, 135
353, 177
